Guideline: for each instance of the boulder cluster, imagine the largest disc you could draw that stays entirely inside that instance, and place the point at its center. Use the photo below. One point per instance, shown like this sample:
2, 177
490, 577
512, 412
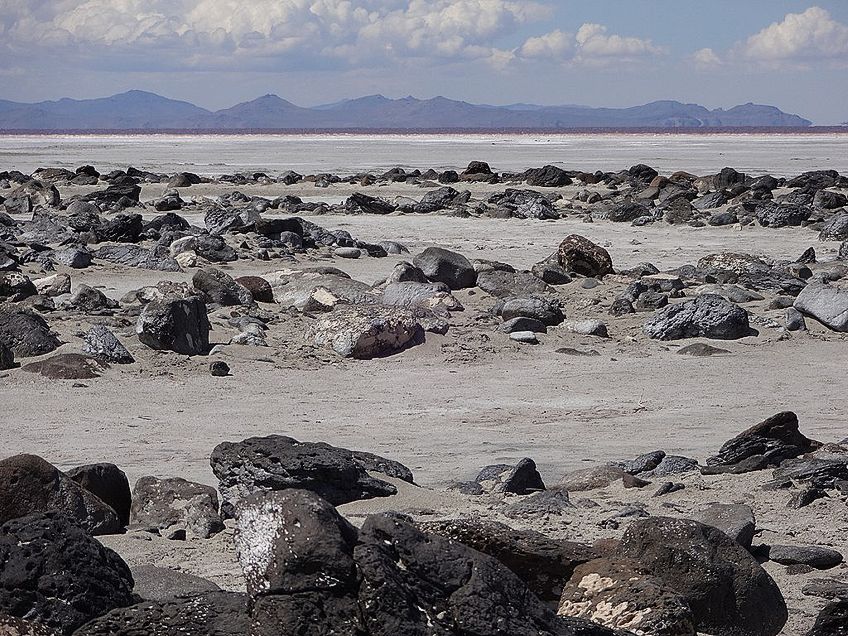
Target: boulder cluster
307, 569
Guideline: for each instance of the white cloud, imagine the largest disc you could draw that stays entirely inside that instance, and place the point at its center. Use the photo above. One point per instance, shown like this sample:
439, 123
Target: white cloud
799, 38
706, 59
592, 44
186, 33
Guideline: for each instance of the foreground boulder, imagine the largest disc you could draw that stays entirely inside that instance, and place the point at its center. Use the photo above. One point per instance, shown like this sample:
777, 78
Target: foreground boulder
580, 255
218, 613
166, 505
366, 332
832, 620
175, 324
56, 574
443, 266
727, 590
26, 333
543, 563
276, 462
825, 303
706, 316
109, 484
30, 485
774, 440
620, 593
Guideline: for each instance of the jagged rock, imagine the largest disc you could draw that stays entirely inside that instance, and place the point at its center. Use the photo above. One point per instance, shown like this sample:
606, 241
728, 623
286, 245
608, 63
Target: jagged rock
832, 620
219, 287
124, 228
366, 332
775, 215
175, 324
737, 521
108, 483
628, 211
359, 203
621, 594
727, 590
204, 614
836, 229
56, 574
161, 504
443, 266
31, 485
75, 258
54, 285
316, 290
102, 344
825, 303
87, 299
520, 479
542, 504
775, 439
706, 316
580, 255
547, 177
157, 259
276, 462
543, 563
15, 286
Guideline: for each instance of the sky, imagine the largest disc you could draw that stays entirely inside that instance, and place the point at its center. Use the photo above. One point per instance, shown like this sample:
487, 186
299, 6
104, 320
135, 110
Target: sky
215, 53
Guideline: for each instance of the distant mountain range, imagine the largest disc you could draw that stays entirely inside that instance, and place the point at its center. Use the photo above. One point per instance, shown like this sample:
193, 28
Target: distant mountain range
140, 110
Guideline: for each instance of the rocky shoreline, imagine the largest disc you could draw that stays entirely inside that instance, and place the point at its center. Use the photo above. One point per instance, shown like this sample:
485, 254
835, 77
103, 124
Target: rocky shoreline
308, 538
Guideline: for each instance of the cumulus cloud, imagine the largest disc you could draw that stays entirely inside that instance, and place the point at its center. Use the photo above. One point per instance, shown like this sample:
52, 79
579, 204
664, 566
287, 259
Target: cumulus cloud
186, 33
592, 44
706, 59
799, 38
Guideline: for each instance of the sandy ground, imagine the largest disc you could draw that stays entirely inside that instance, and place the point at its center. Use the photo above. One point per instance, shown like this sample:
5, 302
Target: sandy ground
460, 401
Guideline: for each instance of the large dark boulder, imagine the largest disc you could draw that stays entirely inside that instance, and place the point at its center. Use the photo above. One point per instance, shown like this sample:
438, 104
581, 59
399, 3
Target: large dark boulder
443, 266
775, 439
775, 215
359, 203
219, 287
707, 316
727, 590
123, 228
505, 284
276, 462
621, 593
26, 333
836, 228
628, 211
102, 344
157, 258
15, 286
175, 324
580, 255
545, 309
204, 614
109, 484
832, 620
57, 574
415, 583
543, 563
547, 177
174, 503
7, 358
30, 485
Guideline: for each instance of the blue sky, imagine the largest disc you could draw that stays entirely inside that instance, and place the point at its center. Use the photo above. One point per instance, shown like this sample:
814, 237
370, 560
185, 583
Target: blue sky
790, 53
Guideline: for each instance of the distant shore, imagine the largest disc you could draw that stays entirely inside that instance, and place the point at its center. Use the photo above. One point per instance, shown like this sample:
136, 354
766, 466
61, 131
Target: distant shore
773, 130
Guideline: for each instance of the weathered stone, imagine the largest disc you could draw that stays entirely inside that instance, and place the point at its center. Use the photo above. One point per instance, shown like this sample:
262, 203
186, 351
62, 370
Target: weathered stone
276, 462
31, 485
175, 324
706, 316
443, 266
727, 590
546, 310
776, 438
108, 483
543, 563
159, 504
815, 556
54, 573
366, 332
825, 303
102, 344
219, 287
580, 255
737, 521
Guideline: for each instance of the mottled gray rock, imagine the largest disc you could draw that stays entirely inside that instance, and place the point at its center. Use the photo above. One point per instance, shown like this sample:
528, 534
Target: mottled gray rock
366, 332
737, 521
443, 266
157, 258
219, 287
825, 303
102, 344
505, 284
433, 296
706, 316
815, 556
546, 310
161, 504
